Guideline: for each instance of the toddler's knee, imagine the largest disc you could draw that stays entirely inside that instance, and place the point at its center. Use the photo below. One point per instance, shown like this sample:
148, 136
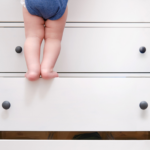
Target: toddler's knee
41, 35
53, 34
53, 40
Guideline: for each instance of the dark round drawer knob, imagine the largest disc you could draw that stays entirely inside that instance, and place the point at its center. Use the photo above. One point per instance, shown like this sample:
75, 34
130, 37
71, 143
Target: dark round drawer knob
18, 49
6, 105
143, 105
142, 49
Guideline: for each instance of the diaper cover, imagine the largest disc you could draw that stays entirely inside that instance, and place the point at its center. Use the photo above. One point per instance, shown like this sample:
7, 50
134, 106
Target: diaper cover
47, 9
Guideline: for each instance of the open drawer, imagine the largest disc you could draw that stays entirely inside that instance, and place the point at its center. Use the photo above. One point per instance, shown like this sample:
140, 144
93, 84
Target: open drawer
74, 145
75, 104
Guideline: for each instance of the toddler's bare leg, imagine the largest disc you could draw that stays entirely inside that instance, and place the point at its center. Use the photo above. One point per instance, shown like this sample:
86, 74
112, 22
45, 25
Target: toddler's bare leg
53, 36
34, 31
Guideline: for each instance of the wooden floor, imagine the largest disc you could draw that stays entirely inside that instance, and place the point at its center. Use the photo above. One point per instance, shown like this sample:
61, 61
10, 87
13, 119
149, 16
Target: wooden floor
70, 135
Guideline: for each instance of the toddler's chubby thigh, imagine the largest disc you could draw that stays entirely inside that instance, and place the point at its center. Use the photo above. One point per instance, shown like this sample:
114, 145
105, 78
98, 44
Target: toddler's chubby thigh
54, 28
34, 25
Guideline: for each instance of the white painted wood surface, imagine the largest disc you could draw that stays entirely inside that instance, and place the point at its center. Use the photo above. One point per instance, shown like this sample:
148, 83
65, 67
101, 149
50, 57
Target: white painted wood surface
74, 145
10, 61
90, 49
84, 75
88, 11
75, 104
85, 25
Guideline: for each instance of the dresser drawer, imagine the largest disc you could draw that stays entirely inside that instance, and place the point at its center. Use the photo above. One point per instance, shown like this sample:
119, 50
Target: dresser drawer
10, 60
74, 145
88, 49
88, 11
75, 104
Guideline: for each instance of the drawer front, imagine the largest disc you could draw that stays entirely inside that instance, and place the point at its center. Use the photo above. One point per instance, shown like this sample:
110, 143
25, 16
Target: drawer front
85, 50
74, 145
88, 11
10, 60
75, 104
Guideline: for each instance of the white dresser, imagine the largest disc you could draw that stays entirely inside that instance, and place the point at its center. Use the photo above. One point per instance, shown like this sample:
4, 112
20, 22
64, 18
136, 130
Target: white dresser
104, 76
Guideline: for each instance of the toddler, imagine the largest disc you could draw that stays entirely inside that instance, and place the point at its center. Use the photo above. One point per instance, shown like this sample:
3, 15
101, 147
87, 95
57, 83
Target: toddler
43, 19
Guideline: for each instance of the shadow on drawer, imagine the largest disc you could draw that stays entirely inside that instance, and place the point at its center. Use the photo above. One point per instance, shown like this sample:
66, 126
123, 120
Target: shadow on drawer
75, 135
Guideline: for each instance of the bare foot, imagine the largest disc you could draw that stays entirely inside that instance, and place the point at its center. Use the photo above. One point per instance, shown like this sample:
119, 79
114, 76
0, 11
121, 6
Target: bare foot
46, 74
32, 76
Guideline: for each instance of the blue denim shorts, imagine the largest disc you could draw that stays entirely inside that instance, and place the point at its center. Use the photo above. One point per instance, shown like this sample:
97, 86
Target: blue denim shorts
47, 9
